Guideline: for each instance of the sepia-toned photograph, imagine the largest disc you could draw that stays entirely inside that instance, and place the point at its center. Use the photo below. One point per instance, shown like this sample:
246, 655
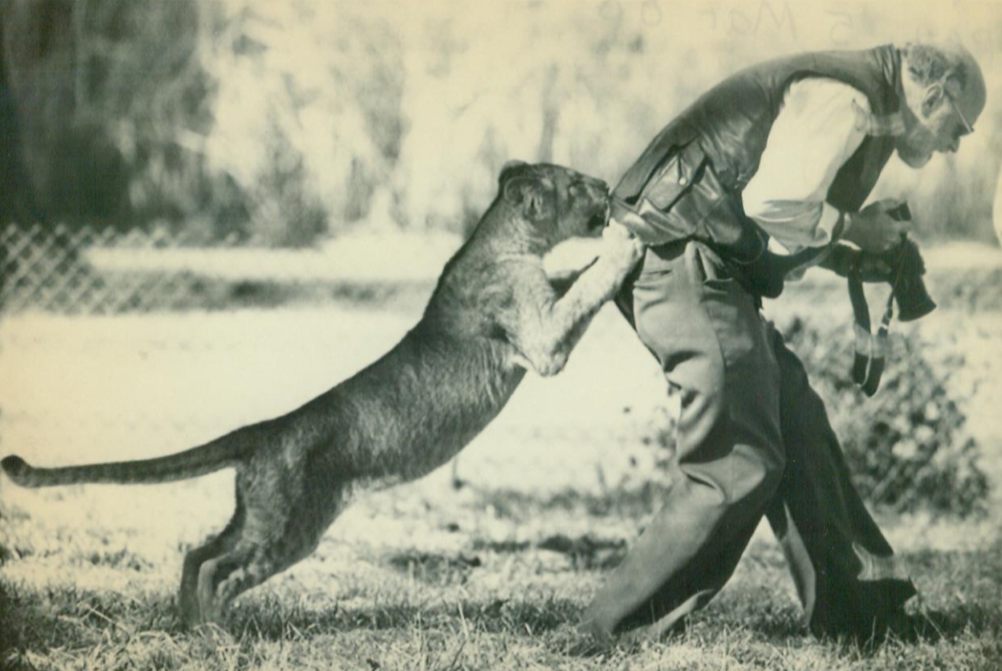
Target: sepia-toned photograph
528, 334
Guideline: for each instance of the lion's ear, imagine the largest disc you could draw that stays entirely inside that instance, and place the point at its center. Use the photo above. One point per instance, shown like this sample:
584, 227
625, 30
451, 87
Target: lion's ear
509, 169
534, 195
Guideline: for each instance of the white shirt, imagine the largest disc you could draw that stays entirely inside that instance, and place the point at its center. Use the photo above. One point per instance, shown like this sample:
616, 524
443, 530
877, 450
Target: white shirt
820, 126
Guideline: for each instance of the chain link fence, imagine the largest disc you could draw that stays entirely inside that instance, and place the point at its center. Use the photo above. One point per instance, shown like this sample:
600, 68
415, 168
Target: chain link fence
91, 271
55, 271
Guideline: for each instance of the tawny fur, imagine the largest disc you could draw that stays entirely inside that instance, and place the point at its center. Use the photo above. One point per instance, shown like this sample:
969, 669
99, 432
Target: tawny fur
492, 314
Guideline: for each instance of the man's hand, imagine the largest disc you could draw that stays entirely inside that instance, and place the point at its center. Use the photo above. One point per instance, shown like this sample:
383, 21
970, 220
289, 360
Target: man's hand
872, 268
873, 229
844, 261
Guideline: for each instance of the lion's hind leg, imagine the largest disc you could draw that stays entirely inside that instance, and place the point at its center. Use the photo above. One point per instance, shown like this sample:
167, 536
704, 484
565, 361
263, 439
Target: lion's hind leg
223, 543
271, 542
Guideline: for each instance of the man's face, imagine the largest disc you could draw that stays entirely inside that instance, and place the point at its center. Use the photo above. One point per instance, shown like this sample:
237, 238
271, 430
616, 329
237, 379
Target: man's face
938, 119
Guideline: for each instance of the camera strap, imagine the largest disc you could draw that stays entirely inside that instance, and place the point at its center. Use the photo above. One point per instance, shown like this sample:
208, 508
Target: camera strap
870, 350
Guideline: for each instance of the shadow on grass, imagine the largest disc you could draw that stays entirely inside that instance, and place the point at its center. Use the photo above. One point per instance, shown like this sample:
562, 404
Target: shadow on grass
585, 552
631, 502
275, 621
66, 617
438, 569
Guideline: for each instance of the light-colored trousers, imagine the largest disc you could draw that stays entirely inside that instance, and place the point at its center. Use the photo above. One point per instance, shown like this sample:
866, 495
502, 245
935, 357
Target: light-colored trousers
753, 439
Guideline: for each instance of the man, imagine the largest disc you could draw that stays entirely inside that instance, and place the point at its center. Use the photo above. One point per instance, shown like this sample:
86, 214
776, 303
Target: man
754, 182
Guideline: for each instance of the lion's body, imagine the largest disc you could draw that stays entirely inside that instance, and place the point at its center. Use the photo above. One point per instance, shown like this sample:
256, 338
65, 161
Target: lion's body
492, 313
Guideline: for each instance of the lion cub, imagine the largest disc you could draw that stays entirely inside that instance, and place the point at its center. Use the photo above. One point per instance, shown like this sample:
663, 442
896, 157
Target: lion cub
492, 315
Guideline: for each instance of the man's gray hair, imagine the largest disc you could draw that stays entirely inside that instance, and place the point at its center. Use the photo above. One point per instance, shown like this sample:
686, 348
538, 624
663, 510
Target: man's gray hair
929, 64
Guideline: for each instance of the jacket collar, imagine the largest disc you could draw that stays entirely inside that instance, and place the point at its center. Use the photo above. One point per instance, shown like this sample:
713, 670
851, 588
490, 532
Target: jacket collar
888, 121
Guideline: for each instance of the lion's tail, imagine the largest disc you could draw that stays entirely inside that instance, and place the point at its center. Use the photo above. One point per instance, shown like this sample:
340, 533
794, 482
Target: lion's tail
225, 451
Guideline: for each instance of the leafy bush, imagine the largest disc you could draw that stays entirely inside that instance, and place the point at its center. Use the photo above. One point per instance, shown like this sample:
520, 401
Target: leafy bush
907, 446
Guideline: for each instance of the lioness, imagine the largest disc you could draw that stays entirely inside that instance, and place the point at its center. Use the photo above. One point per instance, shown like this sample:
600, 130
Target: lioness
492, 315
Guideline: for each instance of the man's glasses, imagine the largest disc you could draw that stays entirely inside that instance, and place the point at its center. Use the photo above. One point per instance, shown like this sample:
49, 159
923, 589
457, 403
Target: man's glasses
968, 128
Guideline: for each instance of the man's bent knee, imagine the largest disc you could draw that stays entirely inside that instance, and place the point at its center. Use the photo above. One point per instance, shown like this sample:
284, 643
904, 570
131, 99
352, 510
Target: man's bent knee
748, 476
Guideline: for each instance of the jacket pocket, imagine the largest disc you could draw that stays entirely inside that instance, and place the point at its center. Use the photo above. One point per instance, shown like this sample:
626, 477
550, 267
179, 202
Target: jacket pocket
674, 177
684, 199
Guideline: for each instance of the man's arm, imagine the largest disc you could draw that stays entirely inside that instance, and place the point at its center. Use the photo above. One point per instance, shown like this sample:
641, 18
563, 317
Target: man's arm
822, 123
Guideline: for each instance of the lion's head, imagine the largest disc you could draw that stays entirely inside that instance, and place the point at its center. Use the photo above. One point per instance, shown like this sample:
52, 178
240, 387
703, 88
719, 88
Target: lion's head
560, 203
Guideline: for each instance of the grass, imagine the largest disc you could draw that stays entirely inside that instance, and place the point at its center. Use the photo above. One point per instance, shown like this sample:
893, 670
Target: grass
470, 598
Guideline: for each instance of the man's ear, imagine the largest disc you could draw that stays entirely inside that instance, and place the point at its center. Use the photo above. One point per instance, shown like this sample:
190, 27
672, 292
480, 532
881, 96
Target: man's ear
534, 195
932, 98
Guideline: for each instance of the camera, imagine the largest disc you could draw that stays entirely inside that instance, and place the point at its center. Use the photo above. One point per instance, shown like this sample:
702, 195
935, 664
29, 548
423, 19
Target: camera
907, 286
904, 275
907, 268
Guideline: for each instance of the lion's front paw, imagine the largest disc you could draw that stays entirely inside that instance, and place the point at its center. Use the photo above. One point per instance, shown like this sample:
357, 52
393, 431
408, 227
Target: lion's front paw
545, 362
620, 248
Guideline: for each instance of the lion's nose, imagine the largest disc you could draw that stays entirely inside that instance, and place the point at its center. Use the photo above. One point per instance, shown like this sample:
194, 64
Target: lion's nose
595, 188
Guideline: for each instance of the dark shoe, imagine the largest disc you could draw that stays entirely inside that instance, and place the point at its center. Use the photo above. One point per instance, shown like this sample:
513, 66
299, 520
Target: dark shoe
910, 628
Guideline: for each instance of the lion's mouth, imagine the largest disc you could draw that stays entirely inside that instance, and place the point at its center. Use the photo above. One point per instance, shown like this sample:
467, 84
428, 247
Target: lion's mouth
601, 217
